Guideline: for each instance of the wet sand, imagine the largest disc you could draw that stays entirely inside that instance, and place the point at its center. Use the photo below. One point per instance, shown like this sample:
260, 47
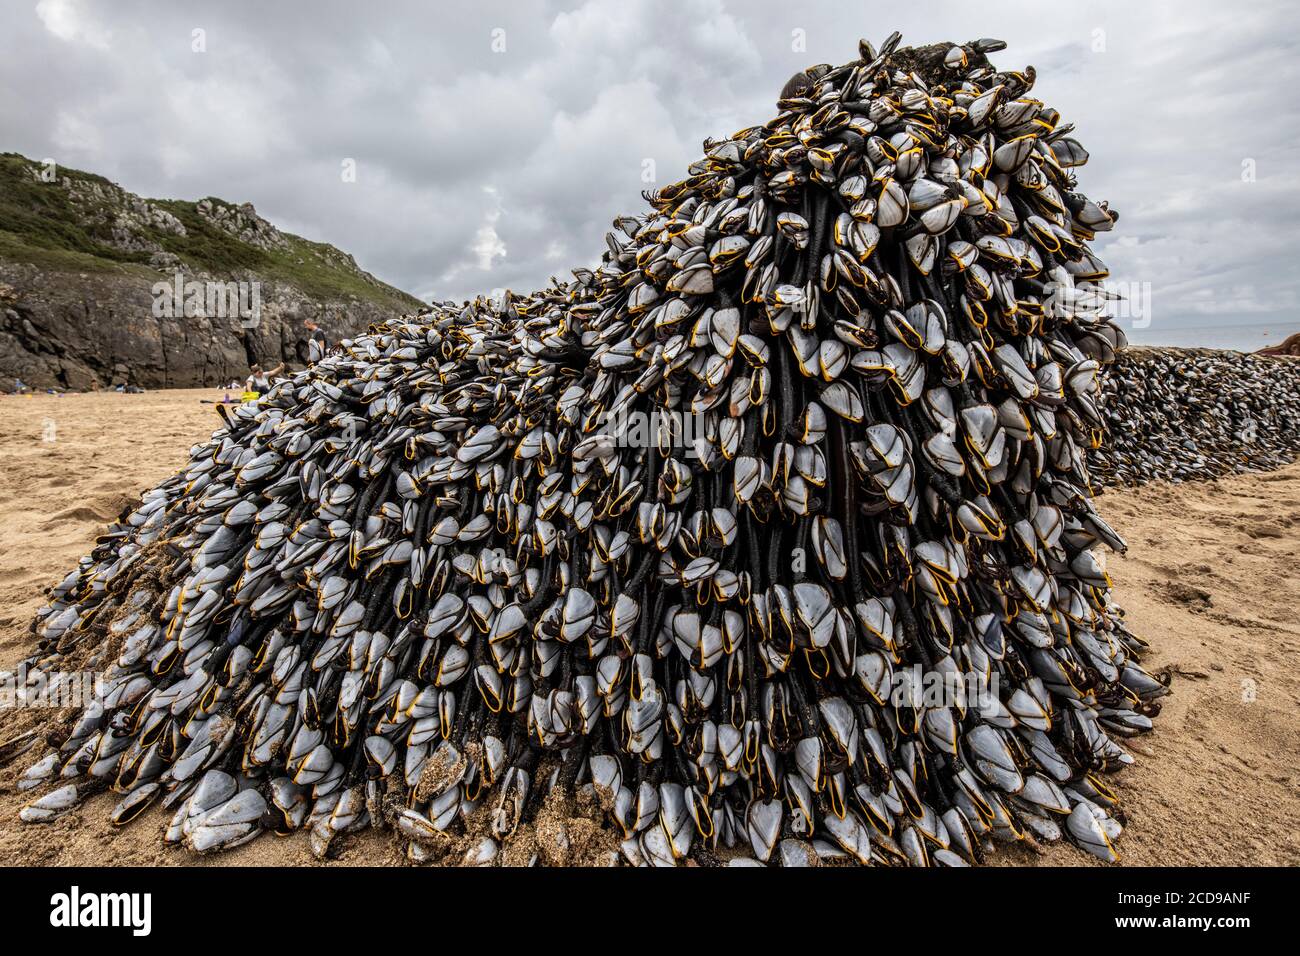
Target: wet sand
1210, 582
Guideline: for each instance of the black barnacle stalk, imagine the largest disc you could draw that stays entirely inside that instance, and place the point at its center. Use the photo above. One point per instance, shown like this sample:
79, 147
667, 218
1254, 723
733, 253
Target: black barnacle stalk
461, 564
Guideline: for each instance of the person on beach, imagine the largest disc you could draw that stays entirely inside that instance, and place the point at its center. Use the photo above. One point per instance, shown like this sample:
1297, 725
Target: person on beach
313, 345
258, 380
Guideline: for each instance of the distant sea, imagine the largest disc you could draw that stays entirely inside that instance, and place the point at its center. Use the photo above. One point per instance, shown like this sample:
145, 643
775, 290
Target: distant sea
1245, 336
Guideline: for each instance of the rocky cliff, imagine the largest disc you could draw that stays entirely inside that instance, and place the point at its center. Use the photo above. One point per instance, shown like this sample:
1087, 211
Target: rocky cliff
87, 271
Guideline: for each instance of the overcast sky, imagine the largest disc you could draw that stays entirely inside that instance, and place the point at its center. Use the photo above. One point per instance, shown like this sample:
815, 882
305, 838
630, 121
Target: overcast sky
494, 142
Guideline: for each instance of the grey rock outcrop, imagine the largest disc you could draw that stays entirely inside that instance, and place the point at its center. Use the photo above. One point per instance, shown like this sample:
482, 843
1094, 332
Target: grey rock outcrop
82, 261
78, 331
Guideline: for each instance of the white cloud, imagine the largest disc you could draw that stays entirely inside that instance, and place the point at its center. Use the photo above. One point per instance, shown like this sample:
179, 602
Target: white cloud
67, 21
487, 244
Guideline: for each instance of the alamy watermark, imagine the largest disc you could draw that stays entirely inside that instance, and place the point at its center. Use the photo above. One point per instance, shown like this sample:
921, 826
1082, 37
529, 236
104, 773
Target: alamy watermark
1119, 301
666, 429
210, 299
934, 690
30, 687
73, 909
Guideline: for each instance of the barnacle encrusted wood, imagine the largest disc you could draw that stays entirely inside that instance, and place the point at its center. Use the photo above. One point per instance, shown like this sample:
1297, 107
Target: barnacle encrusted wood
433, 576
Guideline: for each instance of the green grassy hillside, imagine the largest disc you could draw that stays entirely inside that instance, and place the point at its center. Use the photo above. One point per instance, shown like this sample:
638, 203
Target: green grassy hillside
68, 226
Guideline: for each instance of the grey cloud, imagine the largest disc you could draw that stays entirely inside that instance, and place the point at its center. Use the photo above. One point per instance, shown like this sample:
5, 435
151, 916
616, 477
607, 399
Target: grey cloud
479, 169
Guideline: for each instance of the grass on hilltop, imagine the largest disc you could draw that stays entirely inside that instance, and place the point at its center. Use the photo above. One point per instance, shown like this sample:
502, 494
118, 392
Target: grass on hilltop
41, 225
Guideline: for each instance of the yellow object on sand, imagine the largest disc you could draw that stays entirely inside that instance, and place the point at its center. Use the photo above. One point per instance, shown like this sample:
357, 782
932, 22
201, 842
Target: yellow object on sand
250, 396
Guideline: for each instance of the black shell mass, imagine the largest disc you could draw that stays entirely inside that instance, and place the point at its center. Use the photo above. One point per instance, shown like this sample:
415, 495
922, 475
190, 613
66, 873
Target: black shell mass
1187, 414
774, 532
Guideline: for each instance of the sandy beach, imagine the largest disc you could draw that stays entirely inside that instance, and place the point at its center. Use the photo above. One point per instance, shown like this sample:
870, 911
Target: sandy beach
1210, 582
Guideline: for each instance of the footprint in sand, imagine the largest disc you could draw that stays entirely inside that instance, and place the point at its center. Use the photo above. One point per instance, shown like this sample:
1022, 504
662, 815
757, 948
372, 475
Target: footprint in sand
1193, 598
97, 511
1264, 531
